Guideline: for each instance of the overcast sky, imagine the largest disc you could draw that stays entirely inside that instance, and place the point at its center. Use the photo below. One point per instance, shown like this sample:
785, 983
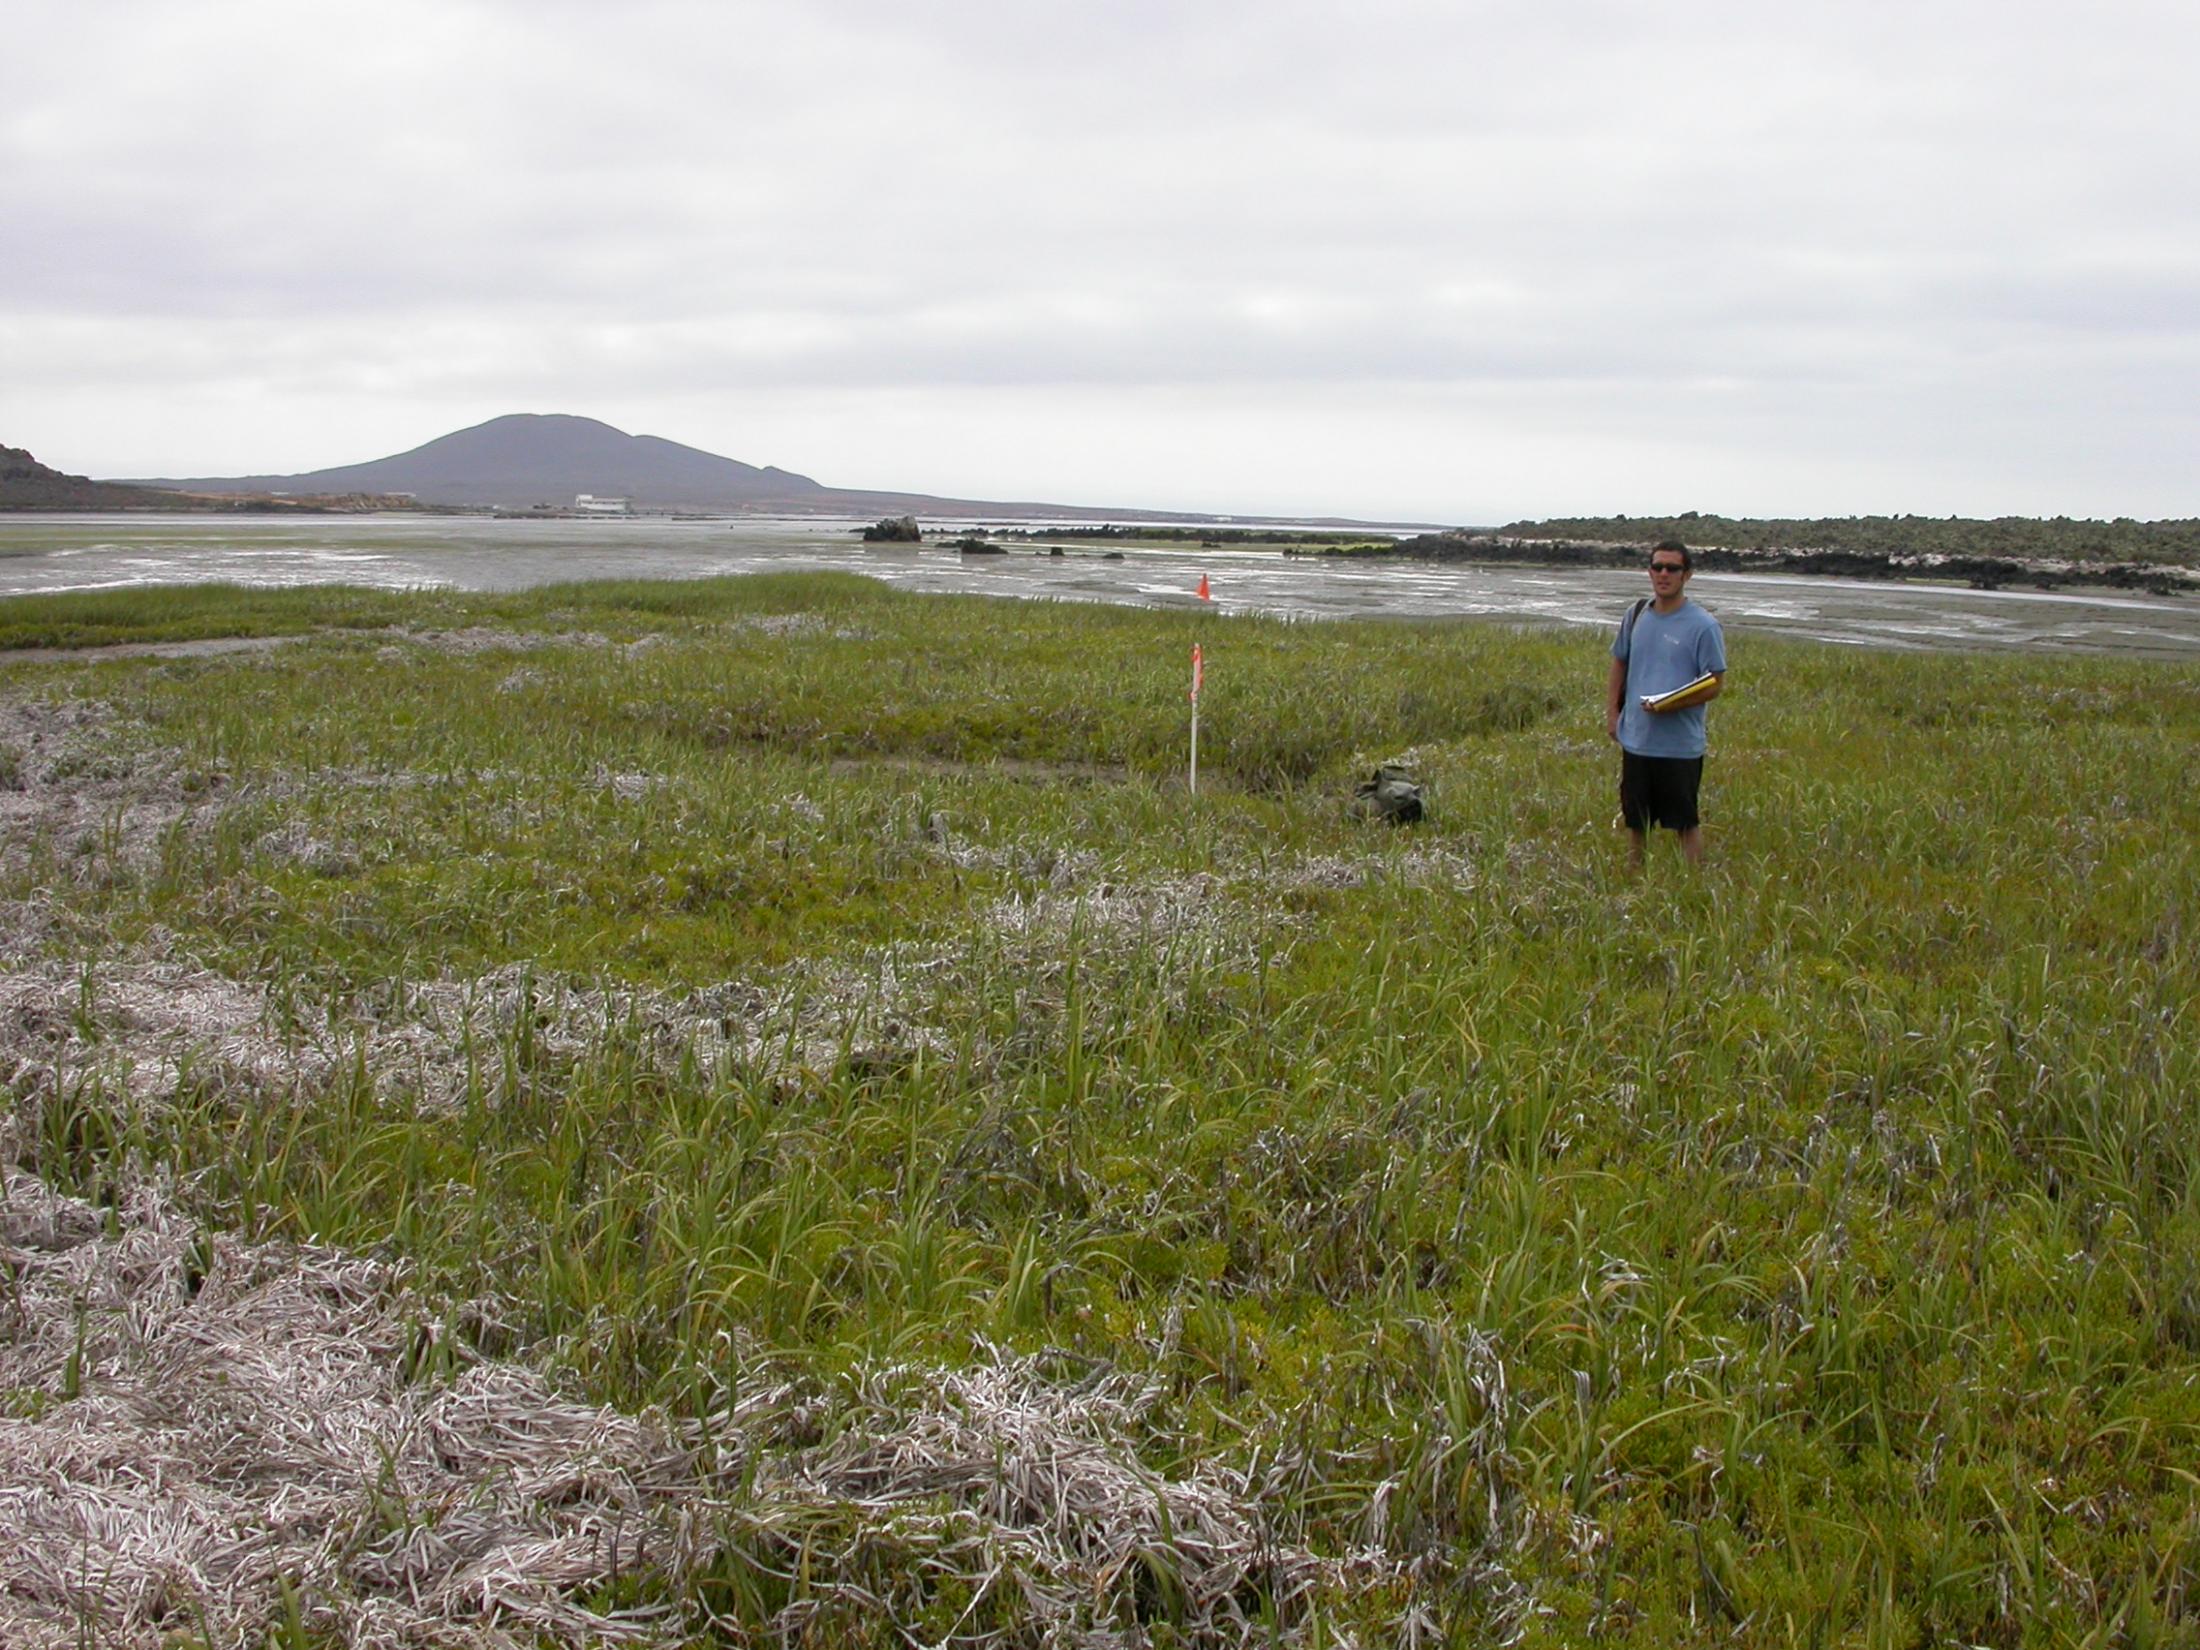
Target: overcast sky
1457, 262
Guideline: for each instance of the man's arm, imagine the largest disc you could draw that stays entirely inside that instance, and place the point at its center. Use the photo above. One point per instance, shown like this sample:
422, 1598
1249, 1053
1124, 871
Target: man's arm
1695, 696
1615, 696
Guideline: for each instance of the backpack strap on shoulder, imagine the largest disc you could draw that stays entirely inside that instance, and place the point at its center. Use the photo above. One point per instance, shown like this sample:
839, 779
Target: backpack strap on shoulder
1627, 631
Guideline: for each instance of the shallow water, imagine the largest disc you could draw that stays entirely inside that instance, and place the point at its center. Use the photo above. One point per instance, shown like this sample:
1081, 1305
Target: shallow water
57, 553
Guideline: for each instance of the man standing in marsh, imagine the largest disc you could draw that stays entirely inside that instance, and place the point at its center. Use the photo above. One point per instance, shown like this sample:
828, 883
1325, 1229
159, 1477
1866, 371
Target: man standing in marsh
1654, 700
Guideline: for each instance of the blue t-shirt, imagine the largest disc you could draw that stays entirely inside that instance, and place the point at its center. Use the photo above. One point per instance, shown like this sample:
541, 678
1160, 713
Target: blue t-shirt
1667, 650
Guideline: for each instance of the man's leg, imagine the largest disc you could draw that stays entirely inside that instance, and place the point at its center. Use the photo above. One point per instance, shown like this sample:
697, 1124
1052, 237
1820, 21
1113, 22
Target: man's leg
1634, 809
1685, 778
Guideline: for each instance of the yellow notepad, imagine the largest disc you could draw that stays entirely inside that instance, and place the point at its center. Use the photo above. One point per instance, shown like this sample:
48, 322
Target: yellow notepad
1666, 701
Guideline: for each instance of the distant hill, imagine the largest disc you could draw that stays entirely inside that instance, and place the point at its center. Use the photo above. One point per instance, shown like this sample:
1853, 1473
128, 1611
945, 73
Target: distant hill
525, 460
26, 484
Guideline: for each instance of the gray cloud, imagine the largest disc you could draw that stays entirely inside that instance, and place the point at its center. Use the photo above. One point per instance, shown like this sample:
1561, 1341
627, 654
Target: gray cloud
1716, 247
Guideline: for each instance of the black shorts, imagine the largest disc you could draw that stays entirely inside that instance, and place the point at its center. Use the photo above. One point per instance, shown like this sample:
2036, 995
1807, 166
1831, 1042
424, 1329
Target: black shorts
1659, 790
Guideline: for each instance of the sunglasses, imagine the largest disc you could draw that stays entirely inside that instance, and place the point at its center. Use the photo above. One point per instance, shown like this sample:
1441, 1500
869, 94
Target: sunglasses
1667, 567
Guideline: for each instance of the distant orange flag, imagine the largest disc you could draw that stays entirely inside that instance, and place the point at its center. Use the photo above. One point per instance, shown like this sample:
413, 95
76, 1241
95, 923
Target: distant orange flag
1205, 594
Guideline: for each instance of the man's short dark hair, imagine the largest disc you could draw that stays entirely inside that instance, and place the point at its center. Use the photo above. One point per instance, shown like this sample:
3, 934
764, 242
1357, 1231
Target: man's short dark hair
1679, 549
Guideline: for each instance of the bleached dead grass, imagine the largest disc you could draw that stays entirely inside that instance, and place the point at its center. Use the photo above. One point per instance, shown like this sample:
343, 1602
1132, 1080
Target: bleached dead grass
28, 926
79, 786
138, 1030
144, 1027
470, 640
204, 1436
197, 1426
1417, 866
477, 639
1014, 1480
1111, 913
796, 624
141, 1029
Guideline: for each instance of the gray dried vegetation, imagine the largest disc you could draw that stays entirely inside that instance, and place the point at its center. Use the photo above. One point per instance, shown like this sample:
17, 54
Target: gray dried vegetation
201, 1436
71, 782
1417, 866
477, 639
207, 1440
147, 1024
206, 1436
1010, 1476
145, 1028
470, 640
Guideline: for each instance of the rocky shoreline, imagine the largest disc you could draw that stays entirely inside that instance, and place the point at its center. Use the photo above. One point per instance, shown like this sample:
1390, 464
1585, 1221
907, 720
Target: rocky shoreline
1978, 572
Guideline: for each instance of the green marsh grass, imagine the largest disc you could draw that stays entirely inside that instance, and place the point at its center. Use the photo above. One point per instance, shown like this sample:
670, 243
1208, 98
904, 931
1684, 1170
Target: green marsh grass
1799, 1253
